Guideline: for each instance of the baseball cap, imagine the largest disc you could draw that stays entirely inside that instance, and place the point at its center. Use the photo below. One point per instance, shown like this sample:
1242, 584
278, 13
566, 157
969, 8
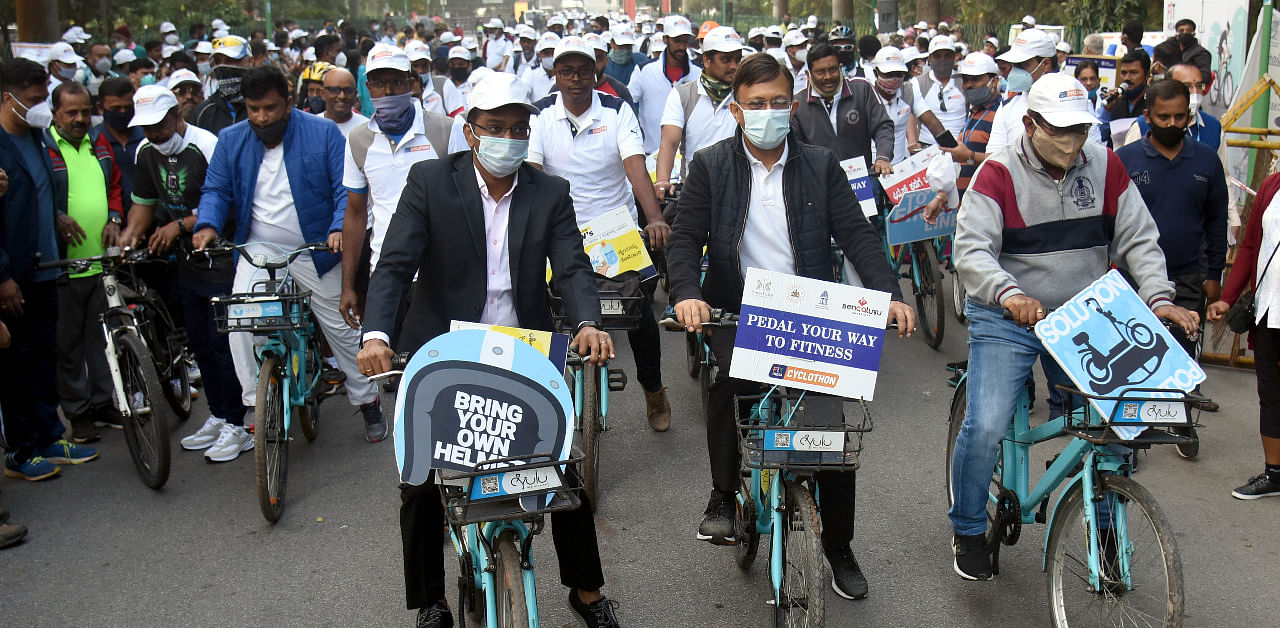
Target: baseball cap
458, 52
677, 25
75, 35
942, 42
755, 30
123, 56
298, 33
794, 37
556, 20
527, 32
218, 23
206, 48
910, 53
387, 57
1064, 47
271, 46
1028, 20
811, 21
167, 27
494, 23
1032, 42
773, 32
706, 28
220, 33
993, 41
1061, 100
151, 103
167, 50
499, 89
596, 42
624, 38
181, 76
446, 37
63, 52
548, 40
977, 64
944, 27
231, 46
309, 54
574, 46
722, 39
469, 43
657, 43
922, 25
889, 59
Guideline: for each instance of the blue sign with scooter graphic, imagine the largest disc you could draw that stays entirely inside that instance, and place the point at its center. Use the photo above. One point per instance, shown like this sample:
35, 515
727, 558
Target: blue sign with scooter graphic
1108, 341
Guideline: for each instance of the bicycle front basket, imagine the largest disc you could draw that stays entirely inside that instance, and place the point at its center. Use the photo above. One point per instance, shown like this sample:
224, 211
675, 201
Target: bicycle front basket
813, 432
262, 313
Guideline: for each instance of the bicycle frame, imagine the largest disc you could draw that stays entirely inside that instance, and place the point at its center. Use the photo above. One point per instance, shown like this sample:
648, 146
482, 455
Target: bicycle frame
292, 344
117, 319
769, 516
578, 379
477, 541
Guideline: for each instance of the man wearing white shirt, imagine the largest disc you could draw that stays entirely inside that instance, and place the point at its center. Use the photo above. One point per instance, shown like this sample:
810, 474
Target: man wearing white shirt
539, 76
650, 85
496, 47
939, 91
708, 120
1033, 55
456, 86
339, 98
796, 43
593, 140
420, 60
524, 55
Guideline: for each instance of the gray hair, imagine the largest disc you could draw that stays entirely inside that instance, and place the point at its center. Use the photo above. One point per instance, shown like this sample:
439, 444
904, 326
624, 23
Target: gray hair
1093, 44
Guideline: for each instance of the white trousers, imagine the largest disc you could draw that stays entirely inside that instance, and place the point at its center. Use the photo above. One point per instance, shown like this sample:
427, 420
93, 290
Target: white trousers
343, 340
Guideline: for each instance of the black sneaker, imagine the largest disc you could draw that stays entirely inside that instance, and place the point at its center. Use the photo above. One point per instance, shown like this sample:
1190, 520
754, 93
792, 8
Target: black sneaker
109, 417
1187, 450
602, 613
83, 431
846, 576
1257, 487
435, 616
972, 561
375, 426
717, 522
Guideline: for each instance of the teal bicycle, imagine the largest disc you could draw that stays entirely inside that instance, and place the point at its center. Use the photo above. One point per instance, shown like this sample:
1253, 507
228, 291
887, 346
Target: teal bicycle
288, 362
1109, 551
918, 262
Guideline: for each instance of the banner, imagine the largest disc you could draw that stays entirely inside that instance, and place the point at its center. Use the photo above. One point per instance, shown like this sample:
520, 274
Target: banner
1109, 342
1108, 68
614, 245
909, 174
809, 334
554, 346
855, 170
906, 220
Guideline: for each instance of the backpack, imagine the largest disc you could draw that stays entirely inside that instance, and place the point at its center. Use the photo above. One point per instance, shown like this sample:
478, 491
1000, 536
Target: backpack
437, 128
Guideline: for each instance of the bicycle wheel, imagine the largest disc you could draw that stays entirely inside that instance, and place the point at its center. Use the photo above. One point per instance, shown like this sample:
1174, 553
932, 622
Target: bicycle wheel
508, 582
270, 440
1154, 596
804, 574
930, 307
589, 433
147, 428
692, 353
177, 386
957, 297
1228, 88
309, 412
745, 530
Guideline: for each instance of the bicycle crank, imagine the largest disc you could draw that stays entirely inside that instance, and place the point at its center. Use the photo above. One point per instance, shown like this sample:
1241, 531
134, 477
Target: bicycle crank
1009, 516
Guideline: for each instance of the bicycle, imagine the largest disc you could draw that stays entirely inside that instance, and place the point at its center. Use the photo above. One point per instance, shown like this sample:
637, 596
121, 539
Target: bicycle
918, 262
699, 361
1095, 522
288, 363
1223, 87
135, 321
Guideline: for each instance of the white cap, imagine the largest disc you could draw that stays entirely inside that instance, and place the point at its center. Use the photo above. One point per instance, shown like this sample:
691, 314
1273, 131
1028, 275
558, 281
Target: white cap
811, 21
203, 47
123, 56
1061, 100
151, 103
993, 41
596, 42
387, 57
494, 23
574, 45
773, 32
499, 89
527, 32
297, 33
889, 59
309, 54
446, 37
1030, 43
167, 27
942, 42
548, 40
677, 25
556, 20
1028, 20
181, 76
624, 38
221, 32
646, 28
63, 52
508, 30
75, 35
218, 23
944, 27
271, 46
910, 53
458, 52
1064, 47
231, 46
755, 30
167, 50
657, 43
478, 75
794, 37
977, 64
922, 25
722, 39
469, 43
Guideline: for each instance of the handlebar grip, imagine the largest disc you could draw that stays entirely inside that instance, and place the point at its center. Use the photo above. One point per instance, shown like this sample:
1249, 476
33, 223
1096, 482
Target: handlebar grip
400, 360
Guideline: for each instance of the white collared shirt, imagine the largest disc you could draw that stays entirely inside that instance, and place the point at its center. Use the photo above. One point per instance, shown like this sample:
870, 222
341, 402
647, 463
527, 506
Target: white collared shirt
590, 158
499, 300
386, 169
835, 104
801, 76
766, 238
649, 88
956, 108
495, 51
708, 123
455, 97
538, 81
900, 113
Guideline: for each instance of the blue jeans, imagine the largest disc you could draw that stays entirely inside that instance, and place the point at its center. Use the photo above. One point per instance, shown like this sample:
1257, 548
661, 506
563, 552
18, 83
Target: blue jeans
1001, 355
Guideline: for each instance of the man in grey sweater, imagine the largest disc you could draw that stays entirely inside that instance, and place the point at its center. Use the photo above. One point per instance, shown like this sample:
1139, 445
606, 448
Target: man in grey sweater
1041, 220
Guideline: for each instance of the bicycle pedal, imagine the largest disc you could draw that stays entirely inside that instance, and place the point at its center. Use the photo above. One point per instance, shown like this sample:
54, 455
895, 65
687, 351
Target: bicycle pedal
617, 380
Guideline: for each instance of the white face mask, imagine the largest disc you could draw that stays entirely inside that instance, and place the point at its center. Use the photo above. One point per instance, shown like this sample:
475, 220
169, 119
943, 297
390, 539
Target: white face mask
340, 60
173, 145
171, 39
37, 116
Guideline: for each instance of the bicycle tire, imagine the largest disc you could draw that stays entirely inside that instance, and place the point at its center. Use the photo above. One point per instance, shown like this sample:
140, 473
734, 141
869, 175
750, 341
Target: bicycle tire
930, 309
958, 297
508, 582
692, 353
589, 433
1060, 560
179, 394
309, 412
1228, 88
748, 537
146, 433
271, 441
805, 577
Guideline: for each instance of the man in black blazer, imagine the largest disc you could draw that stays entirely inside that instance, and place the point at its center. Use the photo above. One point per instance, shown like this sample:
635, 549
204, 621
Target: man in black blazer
478, 228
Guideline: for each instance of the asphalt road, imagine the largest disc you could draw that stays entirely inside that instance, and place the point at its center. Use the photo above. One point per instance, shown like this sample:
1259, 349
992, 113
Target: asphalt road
104, 550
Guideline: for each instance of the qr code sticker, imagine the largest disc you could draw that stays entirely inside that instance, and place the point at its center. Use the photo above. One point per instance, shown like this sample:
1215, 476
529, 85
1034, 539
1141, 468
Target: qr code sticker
1131, 410
489, 485
782, 440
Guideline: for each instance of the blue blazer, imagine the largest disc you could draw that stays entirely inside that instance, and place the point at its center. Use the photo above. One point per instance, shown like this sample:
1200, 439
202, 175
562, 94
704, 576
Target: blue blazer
19, 224
313, 160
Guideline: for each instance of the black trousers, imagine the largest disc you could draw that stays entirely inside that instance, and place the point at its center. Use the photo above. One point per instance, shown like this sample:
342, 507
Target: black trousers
28, 379
837, 490
84, 379
212, 349
1188, 292
422, 534
1266, 365
646, 346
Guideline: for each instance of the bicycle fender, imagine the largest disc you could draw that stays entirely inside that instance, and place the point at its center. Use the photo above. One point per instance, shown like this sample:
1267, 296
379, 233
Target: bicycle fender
1105, 463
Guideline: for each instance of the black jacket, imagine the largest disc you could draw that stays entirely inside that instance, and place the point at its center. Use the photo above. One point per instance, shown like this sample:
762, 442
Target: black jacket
438, 229
215, 114
860, 119
1170, 53
712, 212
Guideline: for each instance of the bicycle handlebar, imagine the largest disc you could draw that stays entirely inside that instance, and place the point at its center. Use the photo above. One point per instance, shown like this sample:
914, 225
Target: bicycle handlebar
260, 261
398, 362
113, 255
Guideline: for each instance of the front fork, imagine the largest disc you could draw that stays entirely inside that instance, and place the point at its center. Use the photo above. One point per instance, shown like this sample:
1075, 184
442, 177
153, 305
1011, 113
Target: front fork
1100, 508
777, 516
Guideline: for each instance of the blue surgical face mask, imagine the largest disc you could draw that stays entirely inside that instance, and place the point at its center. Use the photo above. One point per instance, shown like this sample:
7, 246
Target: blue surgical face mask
394, 114
766, 128
1020, 80
149, 79
500, 156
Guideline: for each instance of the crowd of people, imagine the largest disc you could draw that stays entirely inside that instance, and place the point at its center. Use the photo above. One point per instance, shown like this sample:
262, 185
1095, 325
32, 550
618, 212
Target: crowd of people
410, 148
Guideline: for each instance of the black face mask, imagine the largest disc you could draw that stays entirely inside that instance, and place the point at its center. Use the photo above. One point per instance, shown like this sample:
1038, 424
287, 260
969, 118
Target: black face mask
118, 120
1167, 136
846, 59
272, 133
459, 74
315, 104
1186, 39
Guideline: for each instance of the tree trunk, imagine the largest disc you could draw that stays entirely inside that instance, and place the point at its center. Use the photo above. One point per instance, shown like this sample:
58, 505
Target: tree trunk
37, 21
780, 8
927, 10
842, 11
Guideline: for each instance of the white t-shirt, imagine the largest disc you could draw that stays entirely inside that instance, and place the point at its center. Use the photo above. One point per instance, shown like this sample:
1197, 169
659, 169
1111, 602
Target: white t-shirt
708, 123
273, 217
766, 242
455, 97
495, 51
354, 121
957, 110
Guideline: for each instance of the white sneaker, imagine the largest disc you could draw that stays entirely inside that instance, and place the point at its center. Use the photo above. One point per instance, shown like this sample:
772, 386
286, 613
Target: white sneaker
205, 436
193, 374
232, 440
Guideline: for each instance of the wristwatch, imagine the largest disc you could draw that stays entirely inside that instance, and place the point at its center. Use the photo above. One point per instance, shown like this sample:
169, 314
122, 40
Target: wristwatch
115, 219
586, 324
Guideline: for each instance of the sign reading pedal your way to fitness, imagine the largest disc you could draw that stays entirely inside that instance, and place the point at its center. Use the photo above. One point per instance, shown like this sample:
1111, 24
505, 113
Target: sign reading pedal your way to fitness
1109, 343
809, 334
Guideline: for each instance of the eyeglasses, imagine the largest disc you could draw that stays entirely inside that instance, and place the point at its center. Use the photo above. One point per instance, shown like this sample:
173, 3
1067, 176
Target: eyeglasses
942, 97
187, 89
843, 47
514, 132
342, 91
776, 103
570, 74
391, 84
